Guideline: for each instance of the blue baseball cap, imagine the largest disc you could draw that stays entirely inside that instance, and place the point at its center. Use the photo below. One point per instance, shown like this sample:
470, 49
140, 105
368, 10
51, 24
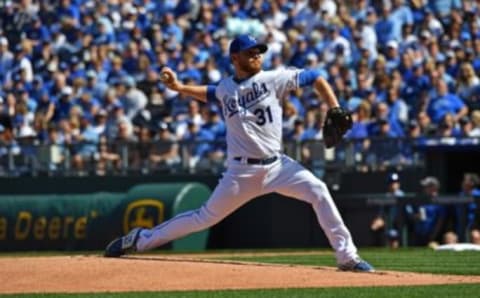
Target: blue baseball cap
244, 42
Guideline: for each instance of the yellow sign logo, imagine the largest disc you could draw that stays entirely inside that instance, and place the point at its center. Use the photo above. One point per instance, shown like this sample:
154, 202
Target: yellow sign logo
145, 213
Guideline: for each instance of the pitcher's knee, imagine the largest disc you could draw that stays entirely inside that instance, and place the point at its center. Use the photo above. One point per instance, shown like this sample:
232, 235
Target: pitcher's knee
317, 190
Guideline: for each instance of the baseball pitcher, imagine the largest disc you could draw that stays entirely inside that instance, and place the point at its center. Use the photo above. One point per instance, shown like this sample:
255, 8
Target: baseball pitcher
251, 104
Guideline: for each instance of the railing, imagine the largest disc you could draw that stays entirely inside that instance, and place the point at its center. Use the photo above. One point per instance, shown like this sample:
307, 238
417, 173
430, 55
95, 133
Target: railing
126, 158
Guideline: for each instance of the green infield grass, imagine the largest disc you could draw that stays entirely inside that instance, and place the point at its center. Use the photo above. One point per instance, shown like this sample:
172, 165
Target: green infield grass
411, 291
413, 260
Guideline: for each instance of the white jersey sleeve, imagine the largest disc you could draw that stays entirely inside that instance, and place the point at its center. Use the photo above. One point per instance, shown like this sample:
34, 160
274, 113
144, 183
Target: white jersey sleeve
286, 80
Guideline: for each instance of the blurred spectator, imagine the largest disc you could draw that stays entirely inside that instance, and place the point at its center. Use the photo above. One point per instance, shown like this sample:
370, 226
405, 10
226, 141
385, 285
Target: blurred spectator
142, 151
429, 217
290, 114
385, 225
199, 145
165, 152
475, 132
85, 143
132, 99
460, 217
467, 82
6, 59
445, 102
215, 125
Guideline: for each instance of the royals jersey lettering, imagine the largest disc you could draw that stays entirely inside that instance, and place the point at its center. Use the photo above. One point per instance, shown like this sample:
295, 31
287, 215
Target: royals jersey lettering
252, 110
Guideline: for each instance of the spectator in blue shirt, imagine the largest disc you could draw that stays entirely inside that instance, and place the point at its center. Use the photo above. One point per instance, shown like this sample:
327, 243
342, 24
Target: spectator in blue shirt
463, 214
198, 150
429, 217
385, 26
85, 143
63, 104
400, 16
443, 8
444, 103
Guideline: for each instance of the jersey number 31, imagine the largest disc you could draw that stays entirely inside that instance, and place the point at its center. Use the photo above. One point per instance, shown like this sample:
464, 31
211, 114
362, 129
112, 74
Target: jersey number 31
263, 115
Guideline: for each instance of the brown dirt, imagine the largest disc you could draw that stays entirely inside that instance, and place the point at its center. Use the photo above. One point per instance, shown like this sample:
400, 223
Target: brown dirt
80, 274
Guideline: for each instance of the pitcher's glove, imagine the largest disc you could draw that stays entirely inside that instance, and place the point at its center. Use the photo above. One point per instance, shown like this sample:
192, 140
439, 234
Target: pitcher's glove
337, 123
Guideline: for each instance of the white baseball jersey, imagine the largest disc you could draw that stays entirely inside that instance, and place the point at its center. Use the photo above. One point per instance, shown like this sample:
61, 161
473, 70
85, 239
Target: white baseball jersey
252, 110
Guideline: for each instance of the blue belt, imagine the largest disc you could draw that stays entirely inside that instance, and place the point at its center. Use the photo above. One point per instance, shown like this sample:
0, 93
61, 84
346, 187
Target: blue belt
256, 161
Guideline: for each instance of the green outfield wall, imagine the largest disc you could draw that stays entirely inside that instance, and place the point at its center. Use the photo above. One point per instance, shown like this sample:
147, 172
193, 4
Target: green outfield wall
89, 221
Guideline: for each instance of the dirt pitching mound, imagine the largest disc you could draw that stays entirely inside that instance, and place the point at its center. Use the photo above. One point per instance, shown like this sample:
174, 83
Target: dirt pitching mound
80, 274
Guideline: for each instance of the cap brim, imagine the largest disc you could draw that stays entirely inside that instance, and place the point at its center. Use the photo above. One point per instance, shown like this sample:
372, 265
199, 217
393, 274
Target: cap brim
261, 46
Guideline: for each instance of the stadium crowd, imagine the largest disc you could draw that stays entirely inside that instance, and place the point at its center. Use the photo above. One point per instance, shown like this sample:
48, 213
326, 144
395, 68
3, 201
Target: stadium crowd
85, 74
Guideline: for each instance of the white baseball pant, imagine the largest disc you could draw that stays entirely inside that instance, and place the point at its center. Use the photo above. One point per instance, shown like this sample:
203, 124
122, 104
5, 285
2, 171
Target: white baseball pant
240, 184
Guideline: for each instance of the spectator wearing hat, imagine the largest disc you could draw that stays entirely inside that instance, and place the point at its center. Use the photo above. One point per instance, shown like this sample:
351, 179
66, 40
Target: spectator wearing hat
465, 127
392, 56
36, 32
384, 116
63, 104
387, 223
21, 63
429, 217
165, 153
447, 127
132, 98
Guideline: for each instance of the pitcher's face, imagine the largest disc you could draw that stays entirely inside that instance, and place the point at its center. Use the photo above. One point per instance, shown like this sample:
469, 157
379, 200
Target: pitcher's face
248, 61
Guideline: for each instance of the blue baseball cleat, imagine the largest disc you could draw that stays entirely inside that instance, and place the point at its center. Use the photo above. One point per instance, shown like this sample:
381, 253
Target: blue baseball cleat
123, 245
357, 266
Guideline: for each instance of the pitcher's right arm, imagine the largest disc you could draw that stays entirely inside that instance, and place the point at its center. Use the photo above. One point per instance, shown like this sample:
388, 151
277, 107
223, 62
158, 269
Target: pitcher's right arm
202, 93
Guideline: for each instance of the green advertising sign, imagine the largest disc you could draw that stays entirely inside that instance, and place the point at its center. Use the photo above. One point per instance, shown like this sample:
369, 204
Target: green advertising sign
90, 221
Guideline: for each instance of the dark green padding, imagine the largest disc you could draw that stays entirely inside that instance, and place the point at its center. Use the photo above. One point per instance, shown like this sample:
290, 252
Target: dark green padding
178, 198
